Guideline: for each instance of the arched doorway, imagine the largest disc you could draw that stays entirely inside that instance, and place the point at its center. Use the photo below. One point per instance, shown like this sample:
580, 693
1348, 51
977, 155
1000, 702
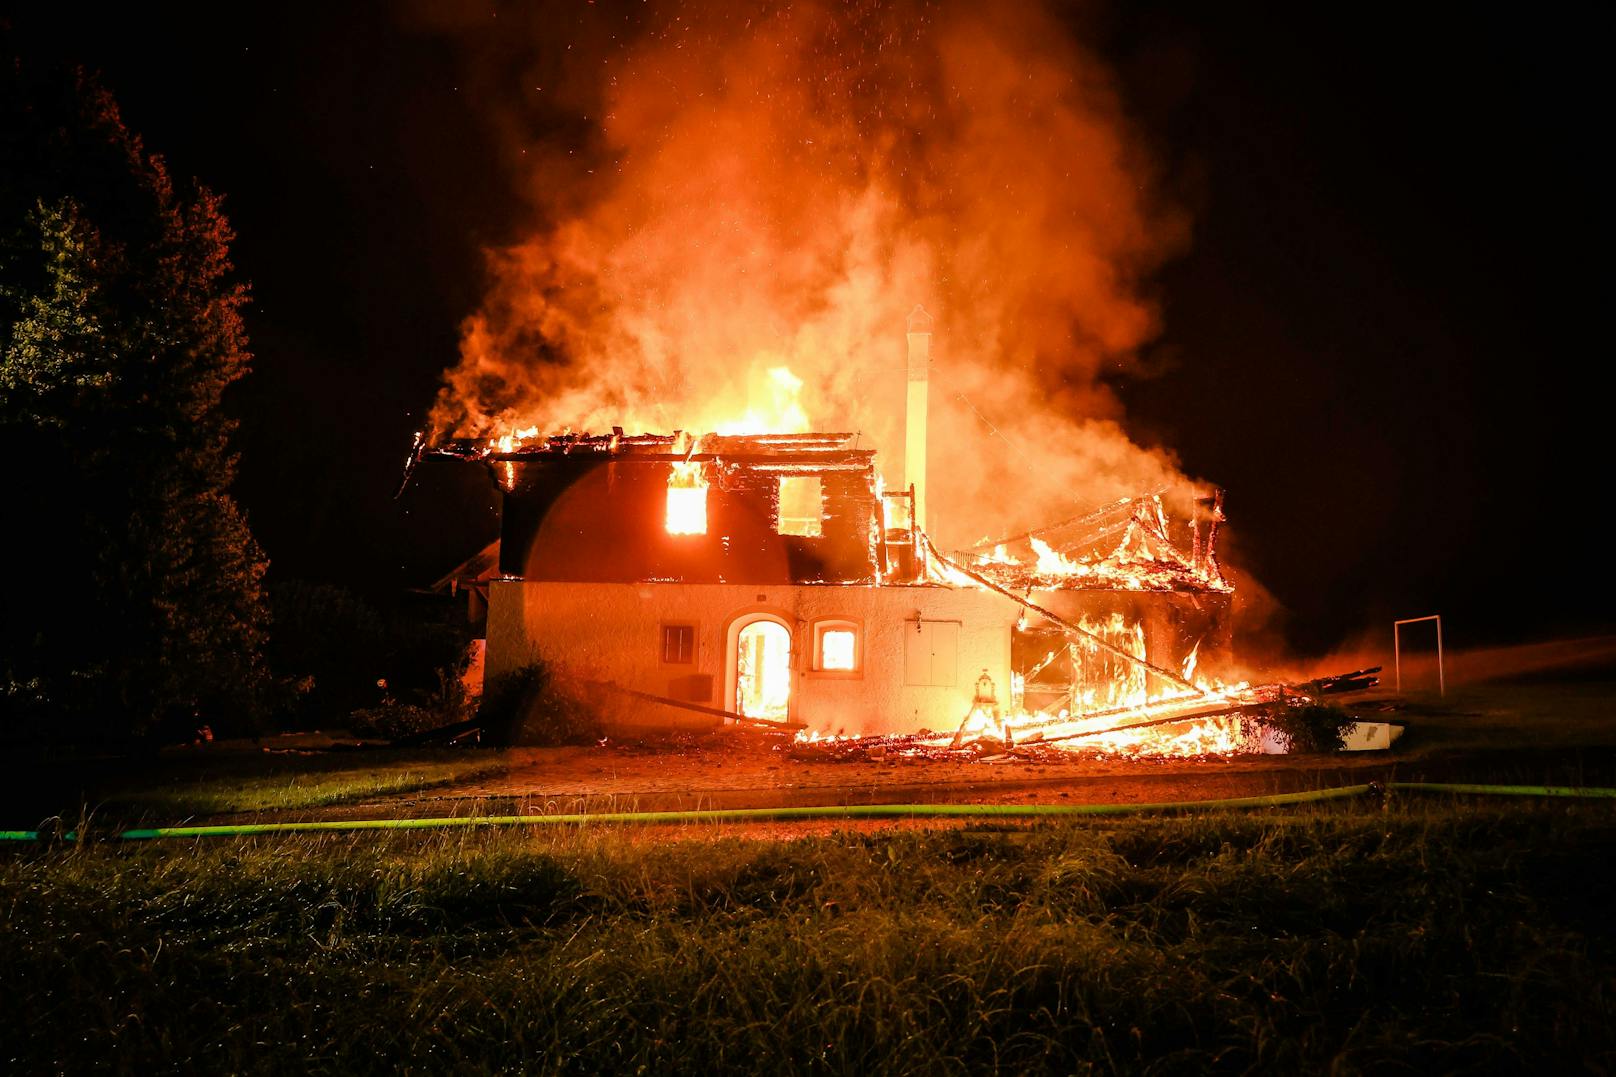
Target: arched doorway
763, 670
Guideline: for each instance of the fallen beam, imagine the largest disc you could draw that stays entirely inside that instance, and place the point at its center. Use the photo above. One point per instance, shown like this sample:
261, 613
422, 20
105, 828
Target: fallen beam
1187, 716
1355, 681
700, 708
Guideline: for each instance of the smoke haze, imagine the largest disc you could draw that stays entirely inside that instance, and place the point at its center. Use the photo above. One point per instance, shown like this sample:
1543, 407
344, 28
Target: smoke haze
719, 194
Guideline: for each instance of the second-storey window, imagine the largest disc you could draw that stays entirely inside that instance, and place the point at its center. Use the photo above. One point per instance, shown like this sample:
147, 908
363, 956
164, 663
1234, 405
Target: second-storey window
802, 507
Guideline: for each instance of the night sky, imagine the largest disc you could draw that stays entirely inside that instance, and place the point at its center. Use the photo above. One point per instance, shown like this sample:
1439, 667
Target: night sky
1380, 341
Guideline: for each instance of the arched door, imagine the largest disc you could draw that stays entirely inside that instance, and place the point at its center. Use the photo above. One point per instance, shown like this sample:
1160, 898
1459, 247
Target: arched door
763, 670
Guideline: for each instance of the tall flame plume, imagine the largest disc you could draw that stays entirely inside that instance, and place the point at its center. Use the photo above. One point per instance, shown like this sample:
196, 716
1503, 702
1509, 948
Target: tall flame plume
737, 210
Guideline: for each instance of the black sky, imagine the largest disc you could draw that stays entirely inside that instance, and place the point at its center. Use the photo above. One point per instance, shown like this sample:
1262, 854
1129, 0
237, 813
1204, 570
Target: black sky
1381, 341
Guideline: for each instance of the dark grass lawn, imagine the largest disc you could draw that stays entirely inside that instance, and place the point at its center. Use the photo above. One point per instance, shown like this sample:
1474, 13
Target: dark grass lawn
170, 787
1426, 936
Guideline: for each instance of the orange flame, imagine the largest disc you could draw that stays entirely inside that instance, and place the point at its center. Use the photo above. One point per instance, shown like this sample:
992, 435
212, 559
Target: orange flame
776, 193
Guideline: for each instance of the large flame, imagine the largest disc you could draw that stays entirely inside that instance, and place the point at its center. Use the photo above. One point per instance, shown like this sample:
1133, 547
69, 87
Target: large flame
727, 196
777, 409
736, 211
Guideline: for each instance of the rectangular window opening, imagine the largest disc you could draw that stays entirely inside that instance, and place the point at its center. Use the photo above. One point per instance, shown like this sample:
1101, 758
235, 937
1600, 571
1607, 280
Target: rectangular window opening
838, 649
802, 506
687, 499
687, 510
679, 644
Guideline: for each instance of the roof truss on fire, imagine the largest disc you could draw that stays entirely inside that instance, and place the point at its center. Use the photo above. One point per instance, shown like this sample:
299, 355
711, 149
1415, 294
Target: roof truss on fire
1129, 544
675, 446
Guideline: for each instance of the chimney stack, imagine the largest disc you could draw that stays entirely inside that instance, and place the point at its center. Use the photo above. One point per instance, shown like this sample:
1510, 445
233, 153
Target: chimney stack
914, 441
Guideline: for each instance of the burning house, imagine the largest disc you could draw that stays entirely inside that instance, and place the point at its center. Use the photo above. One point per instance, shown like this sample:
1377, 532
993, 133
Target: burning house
773, 578
755, 203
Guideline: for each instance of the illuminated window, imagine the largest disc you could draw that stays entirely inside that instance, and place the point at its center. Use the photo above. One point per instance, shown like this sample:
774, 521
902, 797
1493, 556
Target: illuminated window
801, 506
687, 499
836, 647
679, 644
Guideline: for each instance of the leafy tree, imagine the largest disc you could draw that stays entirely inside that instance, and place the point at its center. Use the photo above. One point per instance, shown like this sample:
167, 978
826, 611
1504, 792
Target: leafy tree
136, 603
354, 654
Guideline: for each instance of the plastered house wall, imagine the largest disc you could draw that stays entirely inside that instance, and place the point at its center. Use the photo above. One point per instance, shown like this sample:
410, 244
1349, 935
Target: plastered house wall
613, 632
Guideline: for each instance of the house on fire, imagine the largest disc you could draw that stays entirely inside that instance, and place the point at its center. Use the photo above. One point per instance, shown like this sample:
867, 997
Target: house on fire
768, 578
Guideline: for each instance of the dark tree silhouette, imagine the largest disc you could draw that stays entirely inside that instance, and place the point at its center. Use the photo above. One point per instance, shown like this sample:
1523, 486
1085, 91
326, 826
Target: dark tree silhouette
135, 602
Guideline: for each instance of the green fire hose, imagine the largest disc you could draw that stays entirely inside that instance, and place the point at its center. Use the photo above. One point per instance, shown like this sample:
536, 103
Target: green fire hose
834, 811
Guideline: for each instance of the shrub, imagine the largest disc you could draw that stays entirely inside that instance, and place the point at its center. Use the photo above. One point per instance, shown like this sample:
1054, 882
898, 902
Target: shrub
359, 657
536, 705
1309, 728
448, 704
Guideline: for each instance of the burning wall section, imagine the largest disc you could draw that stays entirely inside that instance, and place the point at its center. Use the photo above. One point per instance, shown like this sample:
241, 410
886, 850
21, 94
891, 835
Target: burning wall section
1121, 575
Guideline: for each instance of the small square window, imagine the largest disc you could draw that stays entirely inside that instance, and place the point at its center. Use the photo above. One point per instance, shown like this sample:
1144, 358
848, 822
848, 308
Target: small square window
679, 644
836, 647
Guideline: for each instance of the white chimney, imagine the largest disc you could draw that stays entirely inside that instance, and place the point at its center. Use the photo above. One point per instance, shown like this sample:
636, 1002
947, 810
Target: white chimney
914, 441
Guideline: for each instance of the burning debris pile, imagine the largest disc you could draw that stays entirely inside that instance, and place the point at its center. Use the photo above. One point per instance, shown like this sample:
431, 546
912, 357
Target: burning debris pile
1241, 720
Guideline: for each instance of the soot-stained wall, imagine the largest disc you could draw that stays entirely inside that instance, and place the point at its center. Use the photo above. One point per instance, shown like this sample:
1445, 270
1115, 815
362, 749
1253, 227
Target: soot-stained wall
583, 520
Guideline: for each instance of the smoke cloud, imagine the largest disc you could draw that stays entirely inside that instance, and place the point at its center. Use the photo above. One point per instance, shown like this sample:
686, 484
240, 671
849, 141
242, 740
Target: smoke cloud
719, 194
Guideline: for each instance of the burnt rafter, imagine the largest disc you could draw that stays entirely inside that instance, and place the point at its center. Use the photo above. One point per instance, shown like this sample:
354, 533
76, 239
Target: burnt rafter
831, 448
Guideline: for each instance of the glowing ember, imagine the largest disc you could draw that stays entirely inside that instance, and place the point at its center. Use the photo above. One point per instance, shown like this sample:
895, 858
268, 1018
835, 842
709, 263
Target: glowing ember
1206, 736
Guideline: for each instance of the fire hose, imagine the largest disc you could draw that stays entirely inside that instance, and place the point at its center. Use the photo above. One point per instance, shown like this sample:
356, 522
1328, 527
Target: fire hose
832, 811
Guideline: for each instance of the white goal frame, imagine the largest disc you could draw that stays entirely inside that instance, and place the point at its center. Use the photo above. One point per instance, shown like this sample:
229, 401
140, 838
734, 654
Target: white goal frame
1397, 650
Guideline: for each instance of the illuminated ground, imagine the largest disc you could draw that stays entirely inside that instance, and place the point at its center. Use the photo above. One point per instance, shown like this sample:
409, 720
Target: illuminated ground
1556, 727
1560, 731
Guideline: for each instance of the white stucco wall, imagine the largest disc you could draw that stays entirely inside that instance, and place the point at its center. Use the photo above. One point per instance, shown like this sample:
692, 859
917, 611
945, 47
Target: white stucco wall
612, 632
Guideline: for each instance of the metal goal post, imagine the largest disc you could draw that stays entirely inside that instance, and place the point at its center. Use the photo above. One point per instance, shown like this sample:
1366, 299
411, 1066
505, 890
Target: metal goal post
1397, 650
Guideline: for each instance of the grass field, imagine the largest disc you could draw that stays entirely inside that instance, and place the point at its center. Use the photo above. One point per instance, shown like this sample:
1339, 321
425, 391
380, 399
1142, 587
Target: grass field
1424, 937
170, 788
301, 788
